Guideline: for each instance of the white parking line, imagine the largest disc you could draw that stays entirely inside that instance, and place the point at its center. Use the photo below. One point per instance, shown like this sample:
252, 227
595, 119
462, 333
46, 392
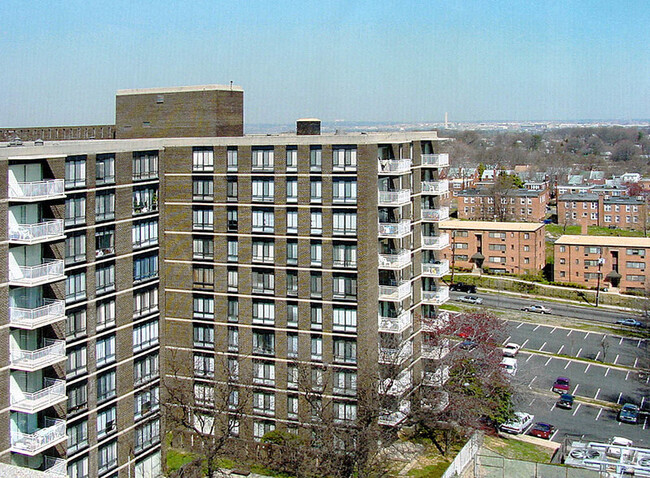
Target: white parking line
620, 342
606, 371
620, 394
552, 330
553, 435
627, 375
524, 344
616, 359
529, 357
542, 347
568, 362
530, 385
599, 412
553, 406
560, 351
587, 335
638, 344
520, 325
531, 402
636, 360
588, 365
597, 355
569, 332
642, 400
645, 423
575, 389
506, 340
576, 410
538, 326
549, 359
578, 354
596, 396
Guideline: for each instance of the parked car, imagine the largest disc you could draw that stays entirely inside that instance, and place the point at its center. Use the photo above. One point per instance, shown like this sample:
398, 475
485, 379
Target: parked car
468, 345
509, 364
617, 445
462, 287
471, 299
518, 424
542, 430
565, 401
561, 385
540, 309
630, 322
629, 413
510, 349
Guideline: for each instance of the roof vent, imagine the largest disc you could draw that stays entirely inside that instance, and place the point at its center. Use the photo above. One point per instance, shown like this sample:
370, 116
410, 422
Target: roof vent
308, 126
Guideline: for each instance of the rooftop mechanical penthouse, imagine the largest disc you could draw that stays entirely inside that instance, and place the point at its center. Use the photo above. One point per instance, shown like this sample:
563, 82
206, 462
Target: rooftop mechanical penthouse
184, 250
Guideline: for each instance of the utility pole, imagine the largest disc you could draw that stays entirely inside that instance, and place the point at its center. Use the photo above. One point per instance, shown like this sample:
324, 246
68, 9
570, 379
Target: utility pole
601, 261
453, 254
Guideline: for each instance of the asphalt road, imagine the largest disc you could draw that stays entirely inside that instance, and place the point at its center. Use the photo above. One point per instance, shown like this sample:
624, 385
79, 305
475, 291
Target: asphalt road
507, 301
598, 387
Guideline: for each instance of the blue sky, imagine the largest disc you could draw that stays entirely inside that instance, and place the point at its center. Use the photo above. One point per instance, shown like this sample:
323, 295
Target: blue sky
62, 61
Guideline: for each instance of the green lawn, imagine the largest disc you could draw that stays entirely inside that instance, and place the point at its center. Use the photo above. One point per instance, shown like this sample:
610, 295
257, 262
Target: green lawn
518, 450
557, 230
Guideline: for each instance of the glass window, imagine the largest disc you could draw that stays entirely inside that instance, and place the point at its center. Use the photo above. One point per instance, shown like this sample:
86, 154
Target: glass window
292, 315
204, 365
145, 165
233, 250
202, 248
204, 336
75, 248
105, 206
316, 284
106, 386
292, 190
75, 172
75, 210
203, 277
77, 361
233, 310
147, 435
145, 233
344, 191
146, 401
292, 252
233, 339
231, 158
202, 189
105, 278
203, 307
75, 287
75, 323
104, 241
316, 191
146, 369
203, 219
231, 189
292, 283
264, 251
292, 221
263, 190
344, 158
145, 336
145, 267
316, 317
292, 345
264, 343
263, 220
77, 397
202, 159
107, 457
105, 169
262, 158
233, 220
106, 422
105, 313
77, 437
344, 319
292, 158
263, 312
315, 158
316, 222
233, 280
263, 282
344, 223
316, 253
145, 301
145, 199
105, 350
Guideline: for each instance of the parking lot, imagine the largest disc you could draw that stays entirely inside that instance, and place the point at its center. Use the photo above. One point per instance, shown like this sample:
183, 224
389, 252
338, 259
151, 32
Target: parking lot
598, 387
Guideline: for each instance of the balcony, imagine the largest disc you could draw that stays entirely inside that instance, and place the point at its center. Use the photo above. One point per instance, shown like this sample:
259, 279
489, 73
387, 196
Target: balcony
395, 261
436, 215
435, 243
49, 230
395, 293
393, 418
32, 402
395, 229
436, 297
55, 466
436, 269
437, 378
435, 351
395, 325
435, 187
34, 443
394, 198
436, 401
52, 351
37, 190
434, 324
51, 270
396, 356
397, 387
394, 166
47, 312
438, 160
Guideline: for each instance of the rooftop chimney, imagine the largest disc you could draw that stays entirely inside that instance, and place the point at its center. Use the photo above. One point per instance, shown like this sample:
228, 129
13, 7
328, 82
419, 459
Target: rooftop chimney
308, 126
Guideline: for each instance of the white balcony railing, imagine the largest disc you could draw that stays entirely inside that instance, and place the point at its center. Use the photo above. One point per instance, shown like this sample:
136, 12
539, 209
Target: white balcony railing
45, 313
395, 356
438, 269
48, 271
32, 402
435, 187
395, 229
435, 352
395, 261
38, 232
436, 297
53, 351
395, 325
394, 418
55, 466
440, 214
440, 160
436, 401
428, 324
394, 166
437, 378
435, 243
32, 444
37, 190
395, 292
397, 387
394, 198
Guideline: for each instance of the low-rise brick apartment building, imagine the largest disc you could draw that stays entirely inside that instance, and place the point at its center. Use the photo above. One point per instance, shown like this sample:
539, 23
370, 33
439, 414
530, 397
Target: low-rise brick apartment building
512, 205
506, 247
593, 209
184, 248
619, 261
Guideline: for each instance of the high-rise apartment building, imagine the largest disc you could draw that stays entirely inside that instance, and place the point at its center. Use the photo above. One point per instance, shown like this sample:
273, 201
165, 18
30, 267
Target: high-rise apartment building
185, 246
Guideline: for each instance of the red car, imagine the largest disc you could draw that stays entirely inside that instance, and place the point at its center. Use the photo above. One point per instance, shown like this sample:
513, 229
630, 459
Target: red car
542, 430
561, 385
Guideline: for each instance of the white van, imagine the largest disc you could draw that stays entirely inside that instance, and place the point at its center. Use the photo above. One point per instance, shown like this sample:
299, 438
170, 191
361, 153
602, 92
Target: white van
510, 365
